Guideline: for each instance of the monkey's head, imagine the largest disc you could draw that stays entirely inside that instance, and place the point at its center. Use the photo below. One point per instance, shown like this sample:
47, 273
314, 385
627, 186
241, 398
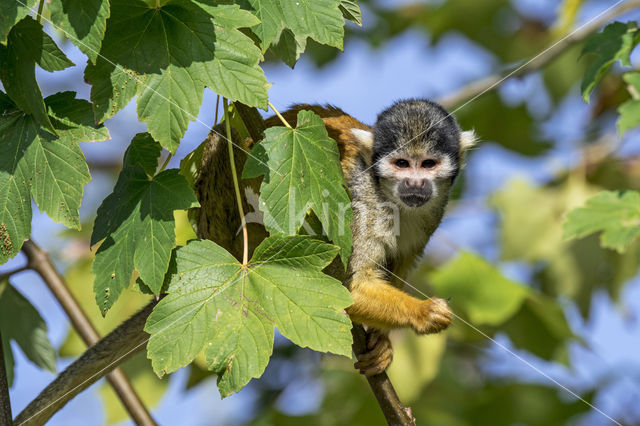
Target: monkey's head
416, 152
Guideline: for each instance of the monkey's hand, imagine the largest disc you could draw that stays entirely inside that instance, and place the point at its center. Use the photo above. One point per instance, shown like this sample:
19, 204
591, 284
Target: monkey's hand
378, 356
433, 315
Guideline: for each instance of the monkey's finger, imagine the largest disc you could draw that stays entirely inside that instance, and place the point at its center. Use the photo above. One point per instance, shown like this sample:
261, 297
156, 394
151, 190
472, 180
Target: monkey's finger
375, 366
383, 345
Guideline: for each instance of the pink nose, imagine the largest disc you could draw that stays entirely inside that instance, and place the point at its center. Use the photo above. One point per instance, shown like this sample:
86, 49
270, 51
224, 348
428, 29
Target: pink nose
414, 183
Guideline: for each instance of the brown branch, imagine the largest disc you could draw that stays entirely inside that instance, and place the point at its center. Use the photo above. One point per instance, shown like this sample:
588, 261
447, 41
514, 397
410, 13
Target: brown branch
5, 401
486, 84
113, 349
392, 408
39, 261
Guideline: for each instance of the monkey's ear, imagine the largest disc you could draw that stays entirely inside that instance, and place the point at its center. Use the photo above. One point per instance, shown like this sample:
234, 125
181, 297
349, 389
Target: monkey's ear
467, 140
364, 138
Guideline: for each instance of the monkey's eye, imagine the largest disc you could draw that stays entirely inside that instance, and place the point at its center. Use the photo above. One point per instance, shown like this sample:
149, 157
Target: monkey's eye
402, 164
428, 164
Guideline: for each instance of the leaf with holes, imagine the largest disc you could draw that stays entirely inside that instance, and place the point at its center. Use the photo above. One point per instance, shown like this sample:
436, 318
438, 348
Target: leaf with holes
614, 43
180, 47
83, 21
21, 322
616, 214
229, 311
34, 163
301, 169
137, 224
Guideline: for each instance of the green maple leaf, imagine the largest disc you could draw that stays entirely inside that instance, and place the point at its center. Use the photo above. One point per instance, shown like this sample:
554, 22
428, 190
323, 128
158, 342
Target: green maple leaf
614, 43
291, 22
302, 171
167, 55
21, 322
630, 110
479, 288
615, 213
34, 163
351, 11
10, 13
229, 311
136, 221
27, 46
83, 22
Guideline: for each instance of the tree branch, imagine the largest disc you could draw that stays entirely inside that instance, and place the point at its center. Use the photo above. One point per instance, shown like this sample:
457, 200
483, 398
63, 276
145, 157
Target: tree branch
38, 260
486, 84
5, 402
392, 408
113, 349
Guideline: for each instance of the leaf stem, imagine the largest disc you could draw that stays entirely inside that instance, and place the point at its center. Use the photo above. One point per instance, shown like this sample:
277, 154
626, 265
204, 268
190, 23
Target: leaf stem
215, 121
166, 162
279, 116
236, 185
5, 403
40, 7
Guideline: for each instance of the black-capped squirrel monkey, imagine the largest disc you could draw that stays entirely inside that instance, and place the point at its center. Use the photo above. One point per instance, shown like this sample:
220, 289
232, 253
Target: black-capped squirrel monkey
399, 173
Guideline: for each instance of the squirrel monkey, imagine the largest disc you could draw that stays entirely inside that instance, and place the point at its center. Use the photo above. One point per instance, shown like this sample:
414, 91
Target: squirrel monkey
399, 173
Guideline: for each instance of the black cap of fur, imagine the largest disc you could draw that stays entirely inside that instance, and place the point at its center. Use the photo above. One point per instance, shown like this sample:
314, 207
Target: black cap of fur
419, 122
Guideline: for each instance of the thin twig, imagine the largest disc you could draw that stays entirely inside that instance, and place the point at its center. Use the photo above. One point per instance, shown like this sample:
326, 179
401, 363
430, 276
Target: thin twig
394, 412
39, 261
279, 116
491, 82
5, 402
5, 275
236, 185
120, 345
215, 120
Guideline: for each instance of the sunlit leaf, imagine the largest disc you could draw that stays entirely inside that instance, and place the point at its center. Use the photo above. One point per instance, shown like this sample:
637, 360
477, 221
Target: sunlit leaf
180, 47
616, 214
302, 171
52, 170
614, 43
83, 21
216, 304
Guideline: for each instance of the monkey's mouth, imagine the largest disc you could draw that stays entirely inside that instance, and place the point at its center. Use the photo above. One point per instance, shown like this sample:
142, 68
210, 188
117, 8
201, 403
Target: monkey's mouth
414, 200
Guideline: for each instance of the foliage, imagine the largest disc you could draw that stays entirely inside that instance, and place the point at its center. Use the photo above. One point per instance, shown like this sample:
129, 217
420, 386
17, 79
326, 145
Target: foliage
298, 177
616, 214
220, 316
21, 322
227, 309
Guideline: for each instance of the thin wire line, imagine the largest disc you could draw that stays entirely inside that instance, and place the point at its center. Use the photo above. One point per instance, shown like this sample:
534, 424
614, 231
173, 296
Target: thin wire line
141, 82
518, 357
497, 82
135, 348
